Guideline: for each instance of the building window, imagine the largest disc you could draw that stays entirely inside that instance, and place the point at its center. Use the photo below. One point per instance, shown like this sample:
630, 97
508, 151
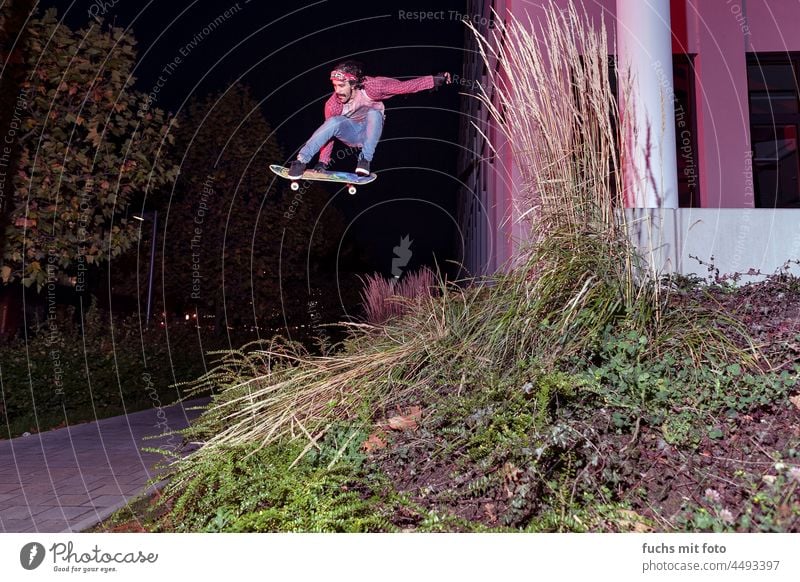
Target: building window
686, 131
774, 119
683, 81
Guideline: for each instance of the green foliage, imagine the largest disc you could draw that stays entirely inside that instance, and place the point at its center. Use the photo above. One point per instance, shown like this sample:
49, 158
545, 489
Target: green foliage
589, 514
443, 522
259, 490
86, 149
771, 502
60, 376
673, 391
340, 445
504, 416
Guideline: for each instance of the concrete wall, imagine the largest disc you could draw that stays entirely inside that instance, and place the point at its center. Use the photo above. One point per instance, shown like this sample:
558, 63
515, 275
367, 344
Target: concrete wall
734, 240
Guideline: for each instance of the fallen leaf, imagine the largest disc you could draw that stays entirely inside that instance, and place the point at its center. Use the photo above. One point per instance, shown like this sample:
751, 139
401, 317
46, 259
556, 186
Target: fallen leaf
631, 521
25, 222
407, 421
511, 475
491, 512
373, 443
785, 511
795, 400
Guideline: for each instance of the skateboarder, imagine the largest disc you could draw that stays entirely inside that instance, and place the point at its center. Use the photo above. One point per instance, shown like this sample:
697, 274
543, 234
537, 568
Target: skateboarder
354, 114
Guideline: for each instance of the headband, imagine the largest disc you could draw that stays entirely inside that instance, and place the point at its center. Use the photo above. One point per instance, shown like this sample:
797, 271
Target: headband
340, 75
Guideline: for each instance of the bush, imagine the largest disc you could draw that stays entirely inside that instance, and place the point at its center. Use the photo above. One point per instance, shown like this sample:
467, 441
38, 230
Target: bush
61, 376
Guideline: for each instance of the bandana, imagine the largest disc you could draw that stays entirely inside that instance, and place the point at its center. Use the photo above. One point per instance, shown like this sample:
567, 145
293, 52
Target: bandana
339, 75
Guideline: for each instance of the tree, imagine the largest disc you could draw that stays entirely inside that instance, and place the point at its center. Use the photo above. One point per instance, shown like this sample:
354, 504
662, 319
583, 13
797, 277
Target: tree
13, 39
88, 148
232, 250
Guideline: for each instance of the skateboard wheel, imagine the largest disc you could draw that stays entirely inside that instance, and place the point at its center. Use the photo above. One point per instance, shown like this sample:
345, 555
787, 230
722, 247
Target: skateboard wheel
294, 186
351, 190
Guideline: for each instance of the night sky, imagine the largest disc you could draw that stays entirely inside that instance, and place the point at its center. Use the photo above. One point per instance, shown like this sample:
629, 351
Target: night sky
284, 52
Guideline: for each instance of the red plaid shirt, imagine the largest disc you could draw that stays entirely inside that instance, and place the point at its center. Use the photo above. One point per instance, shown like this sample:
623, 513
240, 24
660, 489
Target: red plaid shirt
375, 91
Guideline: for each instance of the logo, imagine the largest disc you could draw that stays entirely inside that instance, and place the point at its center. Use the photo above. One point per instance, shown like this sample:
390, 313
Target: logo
402, 256
31, 556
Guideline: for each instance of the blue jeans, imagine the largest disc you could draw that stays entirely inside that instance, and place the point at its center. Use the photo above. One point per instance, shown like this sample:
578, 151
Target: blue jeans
364, 134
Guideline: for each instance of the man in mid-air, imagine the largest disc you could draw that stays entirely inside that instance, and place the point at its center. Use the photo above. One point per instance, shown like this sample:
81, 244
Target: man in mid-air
354, 114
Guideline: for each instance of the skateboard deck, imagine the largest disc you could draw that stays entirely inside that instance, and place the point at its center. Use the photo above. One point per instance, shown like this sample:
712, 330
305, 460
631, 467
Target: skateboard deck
352, 180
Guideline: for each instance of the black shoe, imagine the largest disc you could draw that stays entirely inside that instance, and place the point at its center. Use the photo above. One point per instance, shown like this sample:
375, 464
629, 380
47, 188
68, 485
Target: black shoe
296, 170
362, 169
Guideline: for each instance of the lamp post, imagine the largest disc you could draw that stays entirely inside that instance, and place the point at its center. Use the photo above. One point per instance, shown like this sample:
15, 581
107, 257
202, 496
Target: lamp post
154, 215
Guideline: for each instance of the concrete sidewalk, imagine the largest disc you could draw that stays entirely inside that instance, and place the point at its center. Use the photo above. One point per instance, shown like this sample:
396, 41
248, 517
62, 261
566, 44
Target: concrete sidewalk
69, 479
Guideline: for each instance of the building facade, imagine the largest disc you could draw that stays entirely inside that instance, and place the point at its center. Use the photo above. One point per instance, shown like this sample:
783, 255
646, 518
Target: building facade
731, 194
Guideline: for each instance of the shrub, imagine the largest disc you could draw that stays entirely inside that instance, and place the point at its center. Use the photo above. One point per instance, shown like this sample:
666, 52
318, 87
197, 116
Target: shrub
61, 376
384, 299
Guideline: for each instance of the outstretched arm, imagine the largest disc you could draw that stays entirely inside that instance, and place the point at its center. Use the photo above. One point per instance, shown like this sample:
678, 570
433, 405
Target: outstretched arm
380, 88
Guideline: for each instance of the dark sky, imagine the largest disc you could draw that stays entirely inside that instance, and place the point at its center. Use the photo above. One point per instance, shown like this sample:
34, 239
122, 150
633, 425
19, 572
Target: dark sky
284, 51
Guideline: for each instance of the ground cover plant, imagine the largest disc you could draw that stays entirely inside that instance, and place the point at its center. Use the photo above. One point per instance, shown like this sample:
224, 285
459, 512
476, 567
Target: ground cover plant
578, 391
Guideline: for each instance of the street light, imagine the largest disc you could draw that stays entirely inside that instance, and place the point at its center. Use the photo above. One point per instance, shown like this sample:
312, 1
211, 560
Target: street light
154, 215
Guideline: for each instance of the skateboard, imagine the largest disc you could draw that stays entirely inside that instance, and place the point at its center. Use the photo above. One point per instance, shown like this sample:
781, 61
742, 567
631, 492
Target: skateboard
352, 180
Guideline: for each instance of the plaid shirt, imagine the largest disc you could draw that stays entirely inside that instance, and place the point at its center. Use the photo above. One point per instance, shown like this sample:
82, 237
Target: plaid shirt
376, 89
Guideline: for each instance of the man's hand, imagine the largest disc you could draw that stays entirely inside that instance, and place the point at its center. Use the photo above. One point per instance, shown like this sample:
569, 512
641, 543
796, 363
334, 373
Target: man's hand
440, 79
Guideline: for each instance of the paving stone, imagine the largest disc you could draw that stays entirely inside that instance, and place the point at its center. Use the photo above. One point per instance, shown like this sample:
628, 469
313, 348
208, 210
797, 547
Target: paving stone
71, 500
109, 500
17, 512
71, 513
80, 471
51, 525
40, 489
16, 525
